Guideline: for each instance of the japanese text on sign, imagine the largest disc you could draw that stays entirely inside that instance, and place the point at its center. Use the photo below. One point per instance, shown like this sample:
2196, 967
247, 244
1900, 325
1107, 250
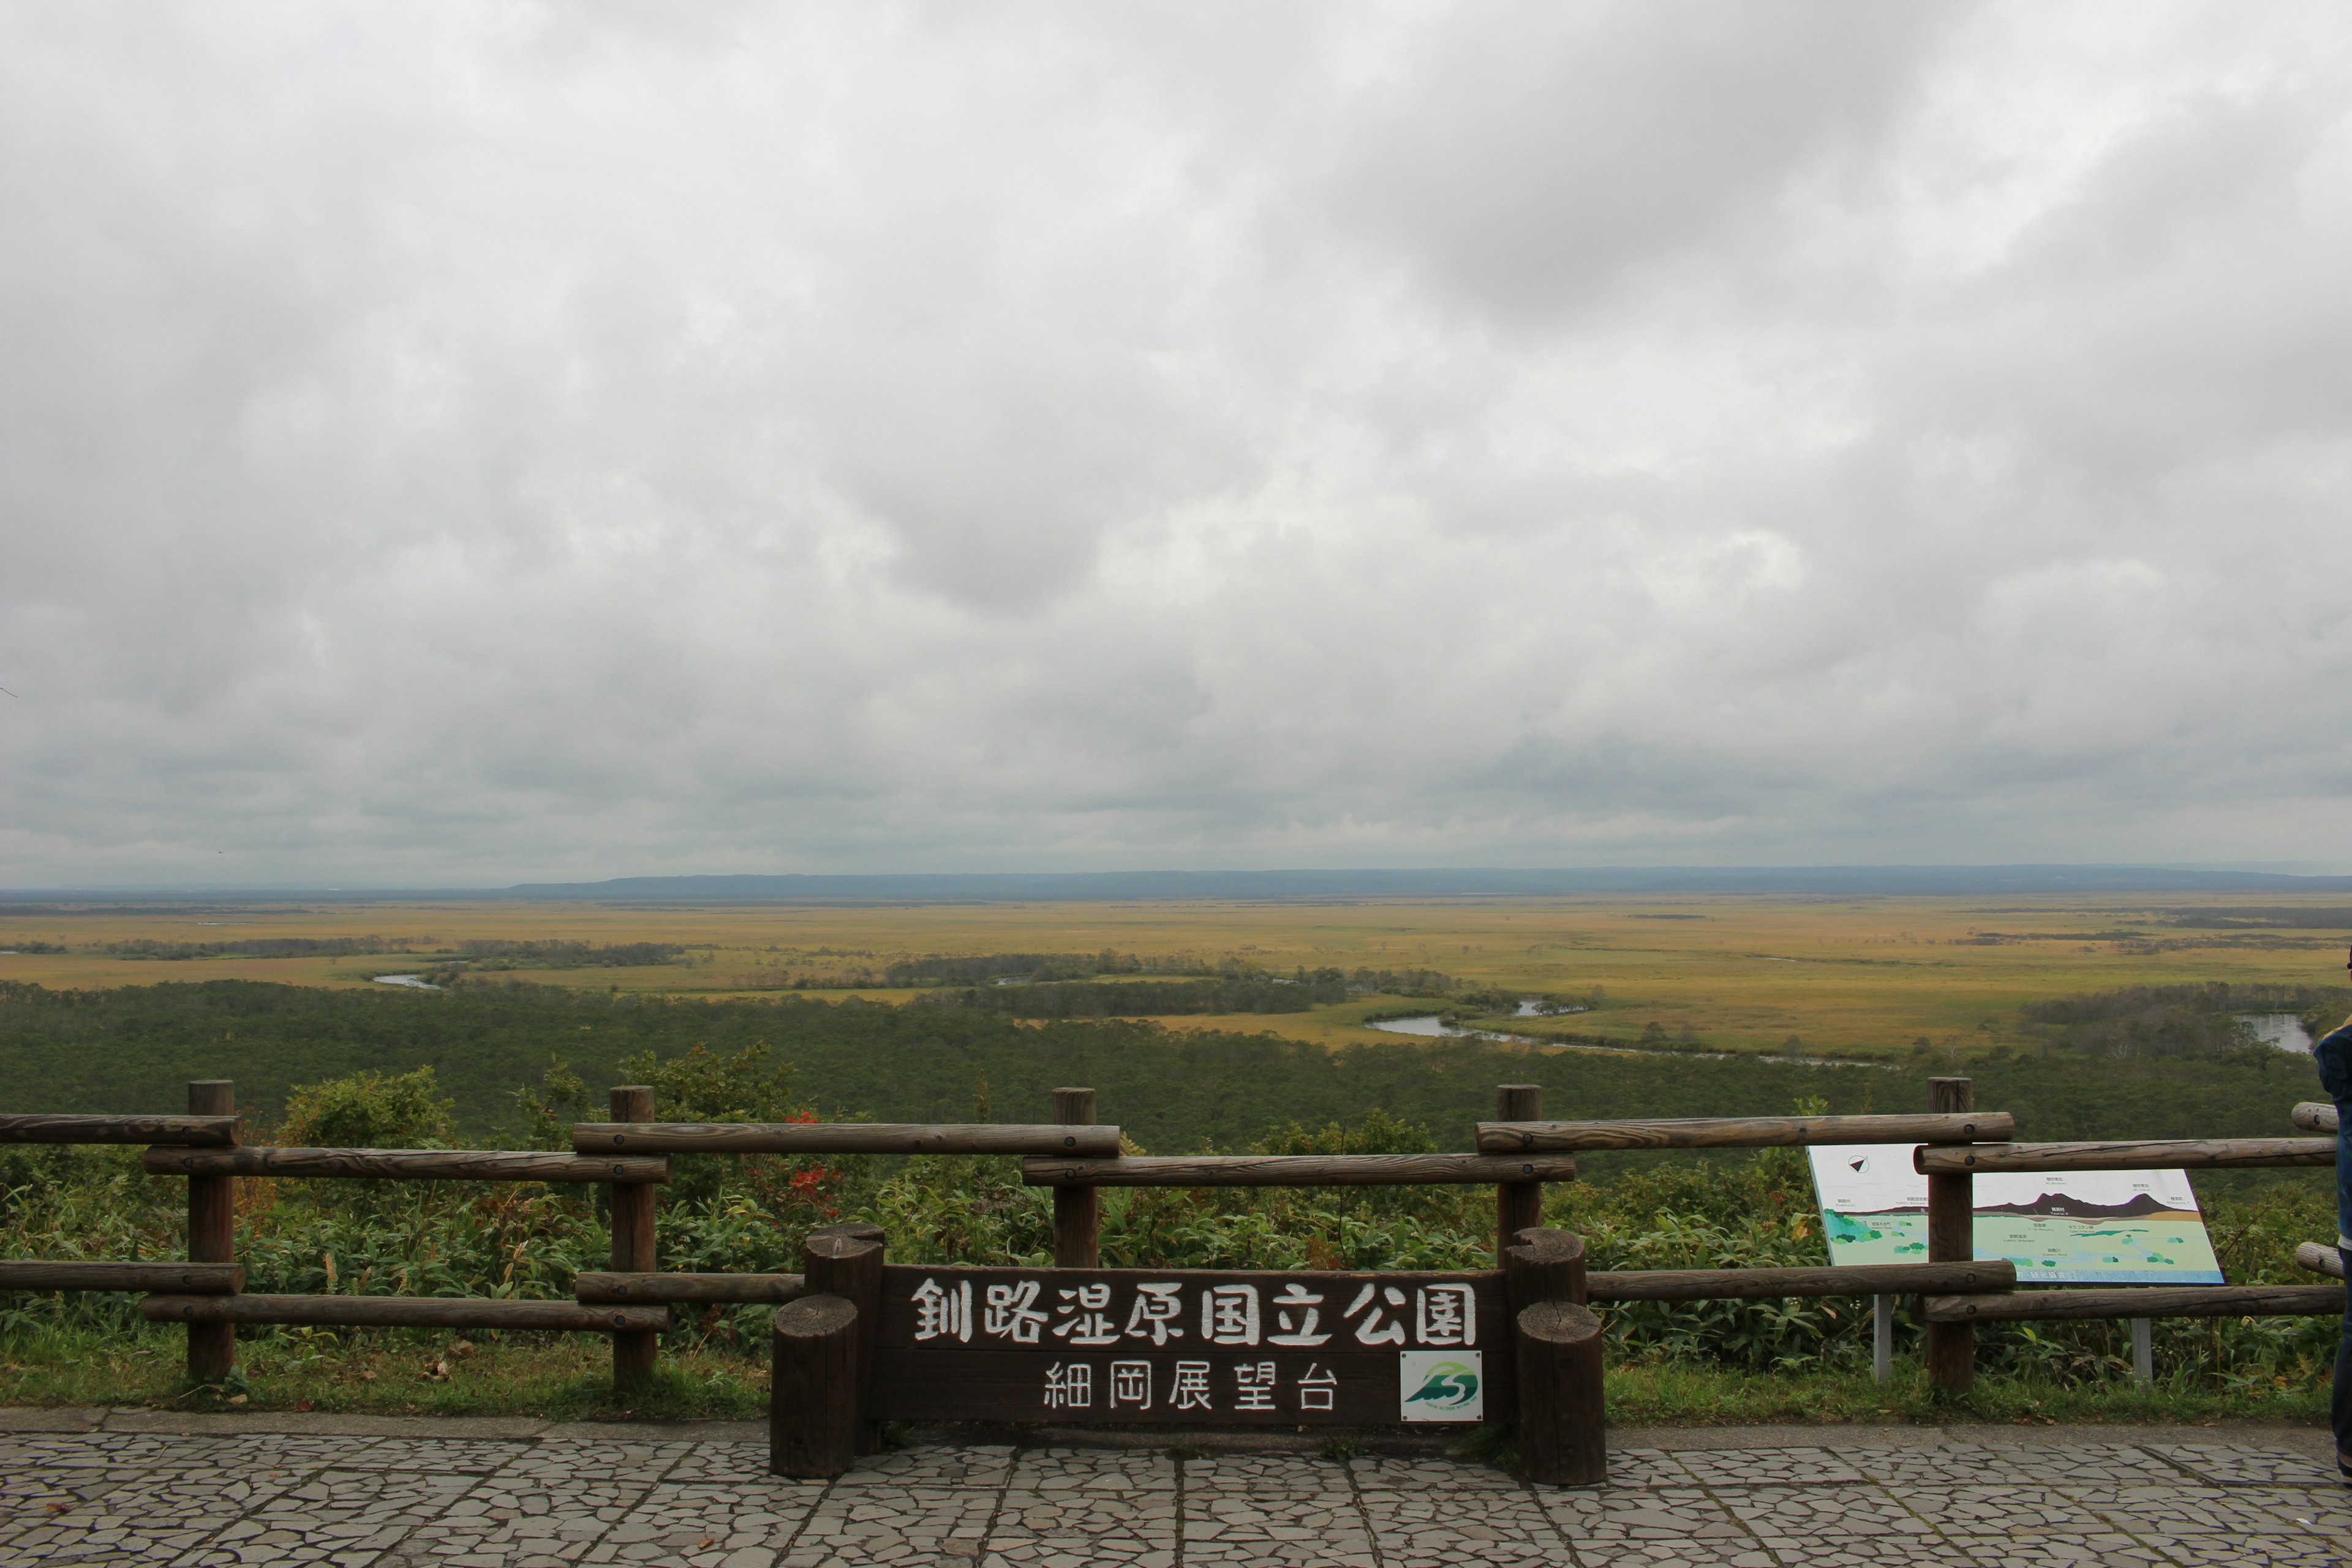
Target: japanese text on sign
1297, 1314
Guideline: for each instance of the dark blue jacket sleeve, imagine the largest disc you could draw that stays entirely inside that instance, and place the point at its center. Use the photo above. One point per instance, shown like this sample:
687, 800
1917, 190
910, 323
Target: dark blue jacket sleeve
2333, 1055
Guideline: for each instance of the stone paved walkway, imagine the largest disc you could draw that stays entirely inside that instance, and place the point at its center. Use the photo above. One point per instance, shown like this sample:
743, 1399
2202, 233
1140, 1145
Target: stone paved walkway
571, 1496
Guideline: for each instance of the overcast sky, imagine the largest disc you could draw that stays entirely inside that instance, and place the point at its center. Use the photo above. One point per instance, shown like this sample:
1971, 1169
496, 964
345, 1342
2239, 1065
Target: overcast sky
460, 443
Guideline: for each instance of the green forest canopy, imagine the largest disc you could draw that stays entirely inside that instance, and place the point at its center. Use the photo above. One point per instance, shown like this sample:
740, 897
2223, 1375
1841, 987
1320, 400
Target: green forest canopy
134, 1048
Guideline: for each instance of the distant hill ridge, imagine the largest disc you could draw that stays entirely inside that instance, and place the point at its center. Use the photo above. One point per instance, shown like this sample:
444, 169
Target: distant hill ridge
998, 886
1460, 881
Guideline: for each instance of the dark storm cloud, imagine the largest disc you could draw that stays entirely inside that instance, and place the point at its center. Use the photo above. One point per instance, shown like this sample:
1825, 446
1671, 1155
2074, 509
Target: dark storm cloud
553, 442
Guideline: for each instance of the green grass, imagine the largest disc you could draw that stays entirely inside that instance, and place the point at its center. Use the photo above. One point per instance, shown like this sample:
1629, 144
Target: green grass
404, 1373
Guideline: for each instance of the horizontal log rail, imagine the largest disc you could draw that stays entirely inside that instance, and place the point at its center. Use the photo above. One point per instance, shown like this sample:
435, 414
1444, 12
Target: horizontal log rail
2321, 1259
2316, 1116
1298, 1170
1759, 1284
841, 1138
2181, 1154
2141, 1301
604, 1287
405, 1312
196, 1132
408, 1164
1744, 1131
181, 1278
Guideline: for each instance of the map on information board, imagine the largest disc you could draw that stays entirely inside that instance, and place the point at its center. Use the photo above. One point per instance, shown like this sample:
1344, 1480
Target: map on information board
2060, 1227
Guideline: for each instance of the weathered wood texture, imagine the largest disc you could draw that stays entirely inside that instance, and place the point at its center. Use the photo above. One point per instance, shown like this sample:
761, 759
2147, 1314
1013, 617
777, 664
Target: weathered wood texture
850, 1267
838, 1138
1518, 1205
180, 1279
403, 1312
1225, 1386
2320, 1259
1562, 1415
212, 1234
1299, 1170
632, 1249
1952, 1238
1544, 1265
200, 1132
2141, 1301
407, 1164
2193, 1153
1077, 1205
813, 1394
623, 1289
1766, 1284
1743, 1131
2316, 1116
1539, 1265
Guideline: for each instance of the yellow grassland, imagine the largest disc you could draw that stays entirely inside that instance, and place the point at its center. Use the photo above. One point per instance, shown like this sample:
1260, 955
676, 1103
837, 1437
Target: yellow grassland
1842, 974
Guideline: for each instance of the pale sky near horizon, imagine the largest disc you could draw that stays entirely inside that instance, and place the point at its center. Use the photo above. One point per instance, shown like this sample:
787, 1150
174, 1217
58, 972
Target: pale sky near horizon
462, 444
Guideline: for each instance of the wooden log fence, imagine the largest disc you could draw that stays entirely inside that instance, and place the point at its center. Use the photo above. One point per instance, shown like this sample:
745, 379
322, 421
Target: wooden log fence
176, 1278
1742, 1131
196, 1131
1773, 1284
407, 1165
1952, 1236
1076, 1157
1300, 1171
2190, 1154
212, 1238
699, 1289
840, 1138
2137, 1301
403, 1312
1077, 1205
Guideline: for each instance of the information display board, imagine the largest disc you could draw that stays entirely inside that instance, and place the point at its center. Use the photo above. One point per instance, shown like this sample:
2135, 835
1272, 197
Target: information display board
1178, 1346
2064, 1227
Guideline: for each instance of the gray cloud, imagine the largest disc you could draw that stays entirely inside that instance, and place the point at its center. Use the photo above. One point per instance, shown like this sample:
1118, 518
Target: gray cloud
467, 447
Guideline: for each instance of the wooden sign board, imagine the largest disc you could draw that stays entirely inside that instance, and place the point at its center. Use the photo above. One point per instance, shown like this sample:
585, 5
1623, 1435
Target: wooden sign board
1190, 1347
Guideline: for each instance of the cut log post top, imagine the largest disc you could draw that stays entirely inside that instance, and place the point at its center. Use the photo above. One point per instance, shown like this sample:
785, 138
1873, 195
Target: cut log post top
1544, 1265
1559, 1323
2156, 1155
1298, 1170
192, 1131
2139, 1301
409, 1165
178, 1278
840, 1138
1744, 1131
2321, 1259
1766, 1284
2316, 1116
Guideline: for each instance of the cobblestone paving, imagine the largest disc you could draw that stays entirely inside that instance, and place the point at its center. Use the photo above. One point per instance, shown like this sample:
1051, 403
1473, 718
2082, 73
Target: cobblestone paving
110, 1496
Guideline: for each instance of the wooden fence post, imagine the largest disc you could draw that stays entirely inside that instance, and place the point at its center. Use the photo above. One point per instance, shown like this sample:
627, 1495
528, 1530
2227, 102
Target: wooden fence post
845, 1261
1077, 1210
1517, 1205
212, 1238
813, 1393
633, 1247
1563, 1421
1539, 1265
1951, 1238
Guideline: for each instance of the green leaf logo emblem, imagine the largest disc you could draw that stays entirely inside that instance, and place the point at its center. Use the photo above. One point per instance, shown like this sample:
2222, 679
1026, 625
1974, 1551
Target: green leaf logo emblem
1449, 1386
